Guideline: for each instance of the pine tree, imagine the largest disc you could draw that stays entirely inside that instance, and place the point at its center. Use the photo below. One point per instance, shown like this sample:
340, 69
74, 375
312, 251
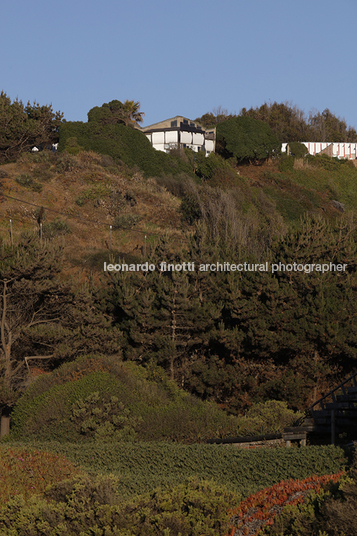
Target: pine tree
165, 314
42, 319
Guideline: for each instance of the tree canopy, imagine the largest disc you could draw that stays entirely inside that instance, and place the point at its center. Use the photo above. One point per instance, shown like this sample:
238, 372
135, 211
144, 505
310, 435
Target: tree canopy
289, 123
43, 319
25, 126
246, 139
114, 112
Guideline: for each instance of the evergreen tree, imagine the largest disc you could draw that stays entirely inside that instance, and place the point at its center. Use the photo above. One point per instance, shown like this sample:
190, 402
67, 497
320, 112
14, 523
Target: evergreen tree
247, 140
42, 319
25, 126
164, 314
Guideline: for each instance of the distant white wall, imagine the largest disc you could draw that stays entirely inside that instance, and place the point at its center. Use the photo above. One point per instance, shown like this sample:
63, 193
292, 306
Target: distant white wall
186, 137
159, 147
338, 150
344, 150
198, 139
158, 138
166, 139
171, 136
209, 145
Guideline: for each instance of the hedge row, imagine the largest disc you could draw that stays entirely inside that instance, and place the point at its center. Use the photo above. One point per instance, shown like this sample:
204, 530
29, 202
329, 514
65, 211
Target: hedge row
142, 467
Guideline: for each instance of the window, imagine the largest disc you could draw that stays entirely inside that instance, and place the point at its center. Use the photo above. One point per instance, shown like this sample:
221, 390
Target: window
185, 122
174, 123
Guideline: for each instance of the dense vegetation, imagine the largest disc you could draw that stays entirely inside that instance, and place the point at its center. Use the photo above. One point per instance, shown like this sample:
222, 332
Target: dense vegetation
138, 368
246, 139
25, 126
330, 513
102, 399
200, 489
243, 337
107, 132
143, 466
289, 123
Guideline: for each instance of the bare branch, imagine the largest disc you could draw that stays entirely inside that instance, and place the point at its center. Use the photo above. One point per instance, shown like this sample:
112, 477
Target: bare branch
36, 357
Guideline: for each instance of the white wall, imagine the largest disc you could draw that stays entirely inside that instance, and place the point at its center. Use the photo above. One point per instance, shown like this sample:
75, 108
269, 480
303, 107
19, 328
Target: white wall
198, 139
158, 137
159, 147
171, 136
186, 137
209, 145
339, 150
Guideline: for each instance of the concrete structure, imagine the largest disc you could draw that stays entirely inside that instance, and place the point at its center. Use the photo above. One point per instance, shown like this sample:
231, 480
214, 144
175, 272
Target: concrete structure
336, 150
180, 133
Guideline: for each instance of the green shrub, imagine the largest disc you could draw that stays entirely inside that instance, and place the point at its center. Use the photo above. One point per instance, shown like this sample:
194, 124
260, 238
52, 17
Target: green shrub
273, 415
298, 150
103, 418
90, 506
49, 415
286, 163
72, 146
56, 228
155, 408
191, 205
122, 144
214, 168
143, 466
126, 221
27, 181
153, 411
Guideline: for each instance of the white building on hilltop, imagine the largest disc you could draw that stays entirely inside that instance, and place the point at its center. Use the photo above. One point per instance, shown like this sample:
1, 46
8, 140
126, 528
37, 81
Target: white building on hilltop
341, 150
180, 133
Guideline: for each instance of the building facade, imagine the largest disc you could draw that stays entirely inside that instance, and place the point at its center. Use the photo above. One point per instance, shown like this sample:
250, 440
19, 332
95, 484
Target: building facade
335, 150
180, 133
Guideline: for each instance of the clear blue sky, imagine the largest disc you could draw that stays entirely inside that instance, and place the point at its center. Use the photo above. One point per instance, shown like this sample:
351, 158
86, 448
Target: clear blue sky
180, 58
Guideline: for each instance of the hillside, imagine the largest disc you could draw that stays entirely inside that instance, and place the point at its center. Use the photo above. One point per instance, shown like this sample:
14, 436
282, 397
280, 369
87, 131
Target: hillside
83, 195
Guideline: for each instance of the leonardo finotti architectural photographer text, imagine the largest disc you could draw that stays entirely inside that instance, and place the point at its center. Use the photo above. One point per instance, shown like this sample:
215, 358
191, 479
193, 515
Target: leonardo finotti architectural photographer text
227, 267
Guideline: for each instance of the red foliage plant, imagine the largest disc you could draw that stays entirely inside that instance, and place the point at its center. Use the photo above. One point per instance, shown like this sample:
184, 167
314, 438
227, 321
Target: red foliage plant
261, 508
28, 472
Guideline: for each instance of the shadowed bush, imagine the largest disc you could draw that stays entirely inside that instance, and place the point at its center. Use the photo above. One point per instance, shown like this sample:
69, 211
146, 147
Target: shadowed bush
90, 506
96, 398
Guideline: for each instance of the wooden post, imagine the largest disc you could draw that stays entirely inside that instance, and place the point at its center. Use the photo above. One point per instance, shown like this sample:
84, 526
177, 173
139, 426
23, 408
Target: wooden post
110, 237
11, 235
41, 232
145, 248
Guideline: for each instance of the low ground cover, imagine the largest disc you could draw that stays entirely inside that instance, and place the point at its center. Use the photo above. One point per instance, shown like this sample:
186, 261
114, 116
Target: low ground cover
259, 510
142, 467
154, 489
28, 472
